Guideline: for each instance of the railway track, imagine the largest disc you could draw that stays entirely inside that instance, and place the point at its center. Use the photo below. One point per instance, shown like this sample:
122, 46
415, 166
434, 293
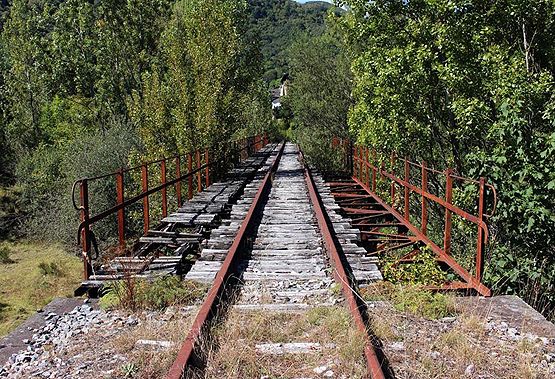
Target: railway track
284, 250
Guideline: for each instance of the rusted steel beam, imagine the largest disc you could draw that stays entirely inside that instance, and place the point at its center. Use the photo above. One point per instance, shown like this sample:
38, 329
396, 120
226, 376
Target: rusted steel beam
480, 243
86, 240
448, 214
207, 170
121, 212
164, 190
199, 173
407, 190
146, 208
178, 184
373, 364
424, 214
190, 179
452, 208
455, 266
209, 307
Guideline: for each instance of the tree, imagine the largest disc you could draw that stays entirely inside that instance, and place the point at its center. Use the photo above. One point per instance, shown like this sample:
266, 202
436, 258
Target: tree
320, 94
469, 84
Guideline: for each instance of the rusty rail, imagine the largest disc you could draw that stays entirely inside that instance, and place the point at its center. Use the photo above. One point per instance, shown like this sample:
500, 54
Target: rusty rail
369, 175
373, 364
198, 163
209, 308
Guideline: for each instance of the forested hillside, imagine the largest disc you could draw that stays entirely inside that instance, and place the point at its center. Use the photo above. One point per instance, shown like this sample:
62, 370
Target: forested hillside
278, 23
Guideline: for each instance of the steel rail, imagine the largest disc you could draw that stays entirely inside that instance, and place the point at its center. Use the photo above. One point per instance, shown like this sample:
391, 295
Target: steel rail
209, 307
374, 366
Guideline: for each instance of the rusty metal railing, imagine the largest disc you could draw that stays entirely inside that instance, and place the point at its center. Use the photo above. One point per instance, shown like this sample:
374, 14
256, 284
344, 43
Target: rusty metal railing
414, 192
198, 167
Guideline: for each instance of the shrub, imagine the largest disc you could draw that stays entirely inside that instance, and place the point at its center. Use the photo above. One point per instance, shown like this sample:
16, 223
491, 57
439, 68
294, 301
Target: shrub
424, 270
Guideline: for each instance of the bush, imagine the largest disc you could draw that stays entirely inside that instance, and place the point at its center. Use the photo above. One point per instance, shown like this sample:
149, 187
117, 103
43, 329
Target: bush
423, 303
424, 270
47, 174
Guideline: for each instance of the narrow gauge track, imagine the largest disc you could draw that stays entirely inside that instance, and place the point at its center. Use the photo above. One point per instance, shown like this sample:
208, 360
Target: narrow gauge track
280, 243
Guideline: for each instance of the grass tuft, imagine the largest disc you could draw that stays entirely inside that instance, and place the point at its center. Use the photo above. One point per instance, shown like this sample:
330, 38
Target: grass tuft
133, 294
5, 255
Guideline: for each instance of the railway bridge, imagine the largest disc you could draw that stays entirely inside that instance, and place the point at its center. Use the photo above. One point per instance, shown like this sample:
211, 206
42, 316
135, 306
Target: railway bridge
267, 232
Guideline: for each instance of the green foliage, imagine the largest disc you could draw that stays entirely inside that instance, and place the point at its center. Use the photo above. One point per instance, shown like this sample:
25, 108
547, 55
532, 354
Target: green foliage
319, 97
276, 24
159, 294
424, 270
423, 303
198, 93
46, 176
469, 84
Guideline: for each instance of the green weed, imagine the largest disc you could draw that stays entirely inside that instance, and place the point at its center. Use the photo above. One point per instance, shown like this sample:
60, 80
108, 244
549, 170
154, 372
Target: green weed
5, 255
159, 294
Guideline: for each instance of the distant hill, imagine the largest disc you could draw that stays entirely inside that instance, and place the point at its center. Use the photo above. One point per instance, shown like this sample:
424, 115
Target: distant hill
278, 22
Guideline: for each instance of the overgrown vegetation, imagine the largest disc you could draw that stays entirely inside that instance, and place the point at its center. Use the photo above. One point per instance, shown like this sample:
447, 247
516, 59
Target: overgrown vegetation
413, 299
135, 294
33, 275
423, 270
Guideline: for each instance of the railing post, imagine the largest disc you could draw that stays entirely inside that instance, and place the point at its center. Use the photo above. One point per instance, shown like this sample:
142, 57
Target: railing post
199, 173
207, 170
374, 179
448, 215
121, 212
190, 178
144, 179
481, 235
164, 189
350, 156
407, 191
392, 181
424, 224
178, 184
367, 165
85, 236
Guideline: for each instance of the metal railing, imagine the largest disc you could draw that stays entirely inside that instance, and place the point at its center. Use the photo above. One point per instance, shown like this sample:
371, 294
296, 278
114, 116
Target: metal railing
413, 191
198, 174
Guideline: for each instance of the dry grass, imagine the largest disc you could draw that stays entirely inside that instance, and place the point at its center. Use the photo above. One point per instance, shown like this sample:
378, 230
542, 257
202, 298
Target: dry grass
148, 362
424, 348
237, 356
